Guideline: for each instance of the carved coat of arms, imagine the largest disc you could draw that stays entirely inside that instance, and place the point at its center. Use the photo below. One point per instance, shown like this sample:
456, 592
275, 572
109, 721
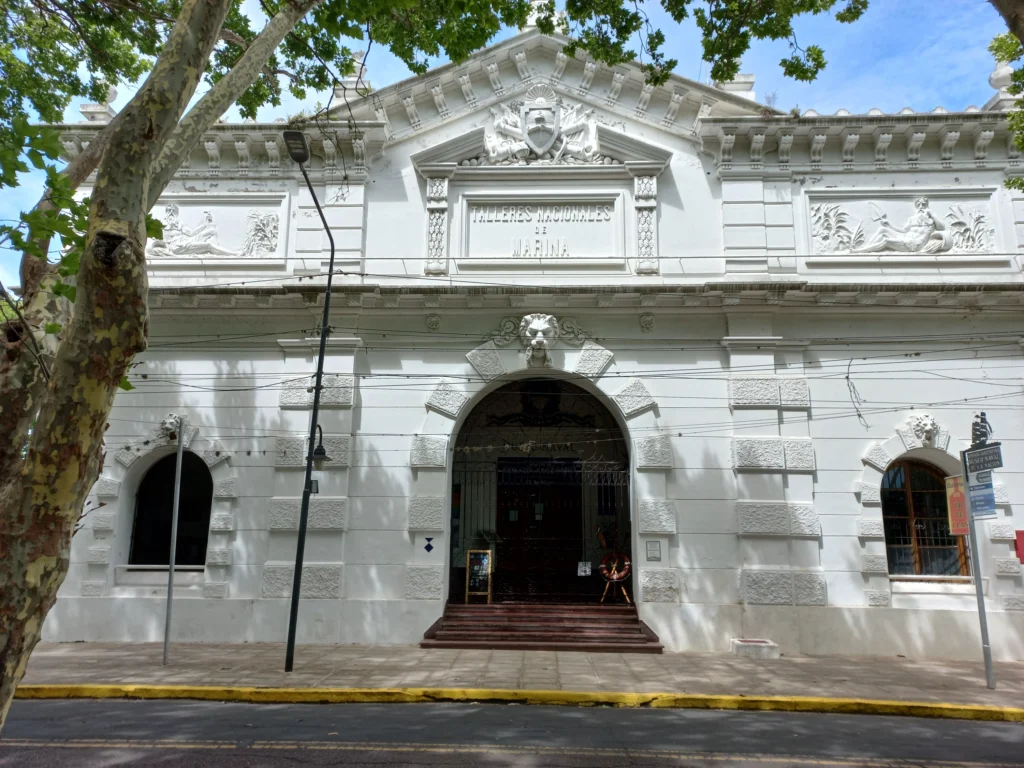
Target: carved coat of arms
541, 129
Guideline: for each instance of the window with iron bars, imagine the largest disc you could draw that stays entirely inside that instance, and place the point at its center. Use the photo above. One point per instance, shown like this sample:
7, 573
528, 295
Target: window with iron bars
918, 541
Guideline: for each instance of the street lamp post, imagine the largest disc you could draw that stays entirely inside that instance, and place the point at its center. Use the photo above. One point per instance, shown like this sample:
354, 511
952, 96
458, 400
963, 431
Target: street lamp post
295, 141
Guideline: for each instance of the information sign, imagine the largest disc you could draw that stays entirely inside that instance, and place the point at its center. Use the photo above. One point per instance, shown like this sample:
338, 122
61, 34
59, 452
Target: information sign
478, 573
983, 459
956, 501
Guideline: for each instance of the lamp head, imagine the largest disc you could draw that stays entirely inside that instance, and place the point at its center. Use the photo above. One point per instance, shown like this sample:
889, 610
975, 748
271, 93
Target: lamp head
298, 149
320, 457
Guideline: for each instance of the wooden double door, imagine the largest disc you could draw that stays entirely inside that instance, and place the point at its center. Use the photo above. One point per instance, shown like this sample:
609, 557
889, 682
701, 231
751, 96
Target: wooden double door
540, 530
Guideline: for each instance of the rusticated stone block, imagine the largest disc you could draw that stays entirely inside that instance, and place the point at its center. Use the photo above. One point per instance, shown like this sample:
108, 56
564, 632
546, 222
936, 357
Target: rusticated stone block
659, 585
215, 454
803, 520
634, 398
810, 589
874, 564
428, 452
878, 598
1007, 566
799, 454
426, 513
1013, 602
870, 528
878, 457
654, 452
319, 582
291, 451
94, 588
768, 587
657, 516
215, 590
106, 487
325, 513
222, 522
98, 556
225, 489
1002, 532
424, 582
446, 399
794, 393
754, 391
103, 523
218, 556
758, 453
763, 518
870, 493
487, 361
593, 360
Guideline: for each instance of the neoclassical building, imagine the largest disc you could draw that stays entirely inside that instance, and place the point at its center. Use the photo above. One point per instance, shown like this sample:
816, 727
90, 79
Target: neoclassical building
577, 320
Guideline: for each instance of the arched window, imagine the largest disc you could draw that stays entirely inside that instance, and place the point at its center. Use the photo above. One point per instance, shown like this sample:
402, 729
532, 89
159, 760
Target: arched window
917, 537
151, 532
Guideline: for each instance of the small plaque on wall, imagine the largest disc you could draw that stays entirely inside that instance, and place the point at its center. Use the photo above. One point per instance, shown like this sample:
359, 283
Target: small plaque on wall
653, 551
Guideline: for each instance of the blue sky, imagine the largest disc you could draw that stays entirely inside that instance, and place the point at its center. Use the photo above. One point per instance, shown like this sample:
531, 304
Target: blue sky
902, 53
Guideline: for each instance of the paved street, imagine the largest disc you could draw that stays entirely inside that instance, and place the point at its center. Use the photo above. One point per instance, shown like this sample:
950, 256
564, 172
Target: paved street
403, 666
91, 734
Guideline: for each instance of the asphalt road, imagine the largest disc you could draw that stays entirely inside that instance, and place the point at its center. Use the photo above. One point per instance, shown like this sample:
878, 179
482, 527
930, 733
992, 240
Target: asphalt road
91, 734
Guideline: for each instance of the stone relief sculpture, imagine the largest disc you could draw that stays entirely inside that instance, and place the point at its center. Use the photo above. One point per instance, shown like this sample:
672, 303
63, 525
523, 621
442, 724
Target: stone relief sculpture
965, 231
541, 130
538, 333
180, 241
260, 234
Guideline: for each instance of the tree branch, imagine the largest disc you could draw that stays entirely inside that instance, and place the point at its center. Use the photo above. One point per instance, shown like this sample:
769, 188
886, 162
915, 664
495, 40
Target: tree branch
226, 92
1012, 12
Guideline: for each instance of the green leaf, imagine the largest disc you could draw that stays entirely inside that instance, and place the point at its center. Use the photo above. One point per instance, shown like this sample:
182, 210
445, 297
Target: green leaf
52, 328
65, 290
126, 385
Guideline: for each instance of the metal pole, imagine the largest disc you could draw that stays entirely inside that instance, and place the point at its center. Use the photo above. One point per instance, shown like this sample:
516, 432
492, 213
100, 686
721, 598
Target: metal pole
300, 546
979, 587
174, 535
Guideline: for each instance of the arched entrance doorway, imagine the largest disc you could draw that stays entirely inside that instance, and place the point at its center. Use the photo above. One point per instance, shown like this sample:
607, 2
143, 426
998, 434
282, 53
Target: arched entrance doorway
541, 479
154, 507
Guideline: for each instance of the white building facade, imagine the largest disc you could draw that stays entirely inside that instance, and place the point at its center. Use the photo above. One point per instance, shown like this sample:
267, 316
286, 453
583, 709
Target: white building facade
576, 314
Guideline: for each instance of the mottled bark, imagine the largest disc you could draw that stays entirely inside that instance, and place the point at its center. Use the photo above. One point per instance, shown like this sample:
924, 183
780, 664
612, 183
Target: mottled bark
108, 327
21, 379
1012, 12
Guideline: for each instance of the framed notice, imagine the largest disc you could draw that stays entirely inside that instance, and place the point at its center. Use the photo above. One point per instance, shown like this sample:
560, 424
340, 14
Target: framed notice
478, 573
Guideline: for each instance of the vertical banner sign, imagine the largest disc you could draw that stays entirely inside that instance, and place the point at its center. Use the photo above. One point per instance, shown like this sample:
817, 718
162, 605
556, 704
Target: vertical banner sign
957, 503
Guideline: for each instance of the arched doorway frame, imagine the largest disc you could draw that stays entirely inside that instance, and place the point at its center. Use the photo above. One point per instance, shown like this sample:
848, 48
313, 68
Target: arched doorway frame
592, 368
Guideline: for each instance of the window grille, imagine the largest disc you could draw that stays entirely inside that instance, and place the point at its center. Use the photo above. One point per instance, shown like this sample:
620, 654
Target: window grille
917, 537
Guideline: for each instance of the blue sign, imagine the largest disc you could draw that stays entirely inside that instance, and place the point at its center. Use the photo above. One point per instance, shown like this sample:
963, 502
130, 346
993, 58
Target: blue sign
983, 499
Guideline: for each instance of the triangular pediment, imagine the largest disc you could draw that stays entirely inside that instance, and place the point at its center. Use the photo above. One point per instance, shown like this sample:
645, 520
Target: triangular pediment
502, 74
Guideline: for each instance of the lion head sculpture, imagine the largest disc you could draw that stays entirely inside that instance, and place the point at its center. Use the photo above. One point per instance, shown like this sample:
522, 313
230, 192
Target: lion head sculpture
925, 428
538, 333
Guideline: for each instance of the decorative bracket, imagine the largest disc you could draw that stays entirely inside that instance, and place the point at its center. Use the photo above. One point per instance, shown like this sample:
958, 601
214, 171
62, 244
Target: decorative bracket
437, 227
645, 194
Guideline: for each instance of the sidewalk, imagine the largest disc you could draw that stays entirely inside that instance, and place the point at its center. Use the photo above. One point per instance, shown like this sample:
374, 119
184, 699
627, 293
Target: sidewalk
462, 674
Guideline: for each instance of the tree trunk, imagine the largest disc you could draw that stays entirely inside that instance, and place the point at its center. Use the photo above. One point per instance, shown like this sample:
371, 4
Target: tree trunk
1012, 12
108, 326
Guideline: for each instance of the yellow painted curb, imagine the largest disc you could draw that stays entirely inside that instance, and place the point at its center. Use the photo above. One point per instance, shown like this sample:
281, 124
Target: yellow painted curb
563, 698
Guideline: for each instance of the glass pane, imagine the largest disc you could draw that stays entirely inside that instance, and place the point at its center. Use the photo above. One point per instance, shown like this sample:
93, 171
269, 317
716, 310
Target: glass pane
901, 561
930, 504
894, 479
897, 531
922, 479
940, 561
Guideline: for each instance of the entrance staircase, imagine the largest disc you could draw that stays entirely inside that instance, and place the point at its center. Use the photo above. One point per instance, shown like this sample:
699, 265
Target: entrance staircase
533, 627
